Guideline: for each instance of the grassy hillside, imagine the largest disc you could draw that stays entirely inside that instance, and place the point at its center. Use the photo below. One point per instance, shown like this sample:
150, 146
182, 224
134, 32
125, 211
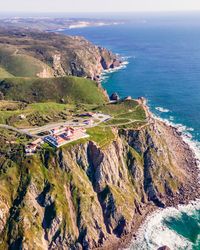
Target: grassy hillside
20, 65
64, 89
4, 73
29, 53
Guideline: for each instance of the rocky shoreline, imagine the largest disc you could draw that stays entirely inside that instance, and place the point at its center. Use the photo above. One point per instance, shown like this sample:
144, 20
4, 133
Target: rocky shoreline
88, 196
56, 54
188, 193
108, 193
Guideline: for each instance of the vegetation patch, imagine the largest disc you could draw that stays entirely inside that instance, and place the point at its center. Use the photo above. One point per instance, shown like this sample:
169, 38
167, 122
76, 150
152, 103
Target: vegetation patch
125, 113
62, 90
137, 114
4, 73
116, 121
17, 64
118, 108
101, 135
134, 125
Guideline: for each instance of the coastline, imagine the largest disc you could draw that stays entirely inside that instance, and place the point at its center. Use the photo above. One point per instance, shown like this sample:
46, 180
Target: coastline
84, 24
189, 194
185, 196
155, 222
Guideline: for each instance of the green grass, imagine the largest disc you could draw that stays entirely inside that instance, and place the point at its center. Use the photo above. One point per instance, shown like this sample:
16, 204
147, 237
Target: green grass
120, 108
137, 114
116, 121
64, 89
50, 107
38, 113
20, 65
102, 136
4, 73
11, 117
5, 115
134, 125
124, 112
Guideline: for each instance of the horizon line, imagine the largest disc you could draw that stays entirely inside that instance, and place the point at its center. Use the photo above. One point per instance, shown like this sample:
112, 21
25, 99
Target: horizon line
101, 12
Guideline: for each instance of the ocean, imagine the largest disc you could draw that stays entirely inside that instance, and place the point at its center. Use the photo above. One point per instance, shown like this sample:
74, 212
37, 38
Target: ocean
161, 54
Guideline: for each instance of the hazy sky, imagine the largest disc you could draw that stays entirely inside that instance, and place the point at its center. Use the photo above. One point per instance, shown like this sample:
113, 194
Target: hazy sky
97, 5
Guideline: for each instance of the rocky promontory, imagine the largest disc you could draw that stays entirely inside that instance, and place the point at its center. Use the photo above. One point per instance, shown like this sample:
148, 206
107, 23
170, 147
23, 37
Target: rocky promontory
31, 53
88, 196
95, 192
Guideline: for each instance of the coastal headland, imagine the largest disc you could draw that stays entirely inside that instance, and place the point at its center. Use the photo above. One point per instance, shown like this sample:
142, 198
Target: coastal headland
94, 191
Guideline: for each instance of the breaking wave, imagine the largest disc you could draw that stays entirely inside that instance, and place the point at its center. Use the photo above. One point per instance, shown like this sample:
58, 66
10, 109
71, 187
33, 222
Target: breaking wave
178, 228
161, 227
163, 110
106, 73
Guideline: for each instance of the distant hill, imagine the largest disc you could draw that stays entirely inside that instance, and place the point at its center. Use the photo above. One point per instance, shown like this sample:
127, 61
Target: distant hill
55, 23
62, 89
14, 63
30, 53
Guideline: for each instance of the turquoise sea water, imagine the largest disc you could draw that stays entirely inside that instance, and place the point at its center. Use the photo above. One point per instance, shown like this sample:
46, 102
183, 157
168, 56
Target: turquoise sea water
163, 55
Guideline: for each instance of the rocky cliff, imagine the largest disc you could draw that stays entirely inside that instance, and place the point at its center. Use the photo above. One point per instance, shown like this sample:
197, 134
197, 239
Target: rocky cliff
83, 196
41, 54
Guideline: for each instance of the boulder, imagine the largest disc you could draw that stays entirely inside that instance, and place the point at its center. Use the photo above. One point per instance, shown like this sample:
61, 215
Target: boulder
127, 98
114, 97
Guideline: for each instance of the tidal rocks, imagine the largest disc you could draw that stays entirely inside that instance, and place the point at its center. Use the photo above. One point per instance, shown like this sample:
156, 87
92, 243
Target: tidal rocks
114, 97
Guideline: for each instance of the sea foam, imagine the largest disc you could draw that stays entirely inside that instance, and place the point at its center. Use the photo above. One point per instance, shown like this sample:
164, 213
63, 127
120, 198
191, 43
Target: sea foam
163, 110
154, 233
105, 74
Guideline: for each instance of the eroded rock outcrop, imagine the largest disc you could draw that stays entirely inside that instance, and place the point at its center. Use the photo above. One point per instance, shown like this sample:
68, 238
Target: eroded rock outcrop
45, 55
84, 196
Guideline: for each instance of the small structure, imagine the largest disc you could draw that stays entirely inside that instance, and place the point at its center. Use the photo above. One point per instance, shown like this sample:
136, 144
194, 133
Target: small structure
55, 140
33, 146
55, 130
59, 136
30, 148
114, 97
63, 135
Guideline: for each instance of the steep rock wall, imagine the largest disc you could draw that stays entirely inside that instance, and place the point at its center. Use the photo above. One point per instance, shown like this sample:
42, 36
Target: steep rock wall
83, 196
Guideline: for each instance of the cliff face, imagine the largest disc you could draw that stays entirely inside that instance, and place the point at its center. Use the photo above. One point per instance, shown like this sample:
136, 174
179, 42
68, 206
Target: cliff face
83, 196
31, 53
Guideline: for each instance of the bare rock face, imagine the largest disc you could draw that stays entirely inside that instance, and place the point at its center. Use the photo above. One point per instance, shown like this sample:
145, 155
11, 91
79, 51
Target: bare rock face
82, 196
45, 73
114, 97
56, 55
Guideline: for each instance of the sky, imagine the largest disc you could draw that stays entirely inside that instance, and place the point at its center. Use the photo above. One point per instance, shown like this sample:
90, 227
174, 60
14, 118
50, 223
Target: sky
97, 5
